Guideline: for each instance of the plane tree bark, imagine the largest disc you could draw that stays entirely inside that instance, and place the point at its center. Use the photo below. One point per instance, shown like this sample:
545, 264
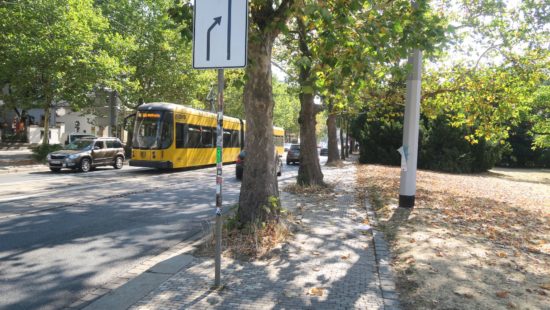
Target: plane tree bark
332, 156
309, 172
259, 192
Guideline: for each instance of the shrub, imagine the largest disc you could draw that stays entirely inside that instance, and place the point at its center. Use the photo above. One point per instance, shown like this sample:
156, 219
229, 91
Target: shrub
40, 152
520, 153
441, 146
444, 148
378, 141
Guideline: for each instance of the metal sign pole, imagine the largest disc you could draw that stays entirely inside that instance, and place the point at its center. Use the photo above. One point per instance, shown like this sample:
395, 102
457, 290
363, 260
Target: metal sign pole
219, 178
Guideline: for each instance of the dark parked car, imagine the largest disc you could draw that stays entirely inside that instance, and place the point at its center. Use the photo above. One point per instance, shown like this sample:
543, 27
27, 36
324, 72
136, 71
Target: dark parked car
324, 151
293, 155
240, 165
87, 153
287, 146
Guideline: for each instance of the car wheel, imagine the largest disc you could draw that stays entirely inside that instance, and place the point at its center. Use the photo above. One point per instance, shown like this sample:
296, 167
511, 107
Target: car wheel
55, 169
85, 165
118, 162
288, 162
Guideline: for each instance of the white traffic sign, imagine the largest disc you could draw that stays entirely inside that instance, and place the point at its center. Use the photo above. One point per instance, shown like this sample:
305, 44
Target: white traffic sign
220, 32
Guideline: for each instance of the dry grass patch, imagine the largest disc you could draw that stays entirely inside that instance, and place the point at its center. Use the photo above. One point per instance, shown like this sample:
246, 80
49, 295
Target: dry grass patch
258, 241
309, 190
251, 242
472, 241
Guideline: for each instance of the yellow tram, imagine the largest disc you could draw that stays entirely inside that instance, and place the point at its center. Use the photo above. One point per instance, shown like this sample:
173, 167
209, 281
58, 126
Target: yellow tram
168, 136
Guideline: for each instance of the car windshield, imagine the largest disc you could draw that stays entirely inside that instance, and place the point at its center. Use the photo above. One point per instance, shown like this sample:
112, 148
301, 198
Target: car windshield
80, 145
295, 147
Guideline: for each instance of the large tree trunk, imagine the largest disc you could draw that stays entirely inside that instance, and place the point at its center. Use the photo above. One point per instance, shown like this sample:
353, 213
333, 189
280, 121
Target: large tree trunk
309, 172
342, 146
259, 182
347, 136
333, 155
46, 138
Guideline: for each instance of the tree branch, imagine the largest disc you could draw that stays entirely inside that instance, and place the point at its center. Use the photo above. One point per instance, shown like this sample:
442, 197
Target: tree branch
280, 67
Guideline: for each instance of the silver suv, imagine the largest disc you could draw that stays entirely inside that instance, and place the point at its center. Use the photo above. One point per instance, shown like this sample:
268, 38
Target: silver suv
87, 153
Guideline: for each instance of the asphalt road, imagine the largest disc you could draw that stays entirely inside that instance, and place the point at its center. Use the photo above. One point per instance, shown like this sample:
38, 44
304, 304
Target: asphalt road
64, 234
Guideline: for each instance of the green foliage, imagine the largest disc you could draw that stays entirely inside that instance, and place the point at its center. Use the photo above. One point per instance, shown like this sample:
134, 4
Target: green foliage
160, 55
486, 80
287, 107
232, 221
539, 116
378, 140
40, 152
52, 50
442, 147
520, 152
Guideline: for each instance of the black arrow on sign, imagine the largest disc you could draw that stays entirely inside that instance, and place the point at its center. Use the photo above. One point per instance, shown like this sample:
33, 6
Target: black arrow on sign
217, 21
229, 31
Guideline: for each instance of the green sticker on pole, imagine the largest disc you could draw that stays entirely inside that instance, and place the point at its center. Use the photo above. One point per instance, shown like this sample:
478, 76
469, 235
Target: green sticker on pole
219, 155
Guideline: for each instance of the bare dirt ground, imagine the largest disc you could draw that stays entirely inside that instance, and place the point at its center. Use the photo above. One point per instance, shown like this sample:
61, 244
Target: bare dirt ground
479, 241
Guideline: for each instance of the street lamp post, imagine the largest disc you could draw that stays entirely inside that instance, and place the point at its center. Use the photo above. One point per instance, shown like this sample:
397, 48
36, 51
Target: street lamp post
409, 150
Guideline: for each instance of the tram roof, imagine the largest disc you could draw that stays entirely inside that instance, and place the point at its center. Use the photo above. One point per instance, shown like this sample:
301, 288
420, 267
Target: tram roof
166, 106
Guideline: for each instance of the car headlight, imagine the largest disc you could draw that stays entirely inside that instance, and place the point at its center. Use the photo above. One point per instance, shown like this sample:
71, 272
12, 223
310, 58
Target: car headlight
71, 157
48, 157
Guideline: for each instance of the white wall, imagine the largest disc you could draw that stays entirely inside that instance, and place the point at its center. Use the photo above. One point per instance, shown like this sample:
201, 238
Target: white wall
35, 134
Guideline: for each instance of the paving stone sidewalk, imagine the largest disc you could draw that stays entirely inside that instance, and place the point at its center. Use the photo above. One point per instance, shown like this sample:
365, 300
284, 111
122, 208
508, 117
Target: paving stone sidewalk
329, 264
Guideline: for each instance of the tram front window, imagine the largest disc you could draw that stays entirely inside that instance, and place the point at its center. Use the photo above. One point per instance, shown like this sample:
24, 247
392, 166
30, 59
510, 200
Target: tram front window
153, 130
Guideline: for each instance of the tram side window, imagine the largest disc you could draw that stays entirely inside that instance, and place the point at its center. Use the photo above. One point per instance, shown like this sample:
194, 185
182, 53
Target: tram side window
226, 138
194, 140
166, 132
207, 137
279, 140
180, 135
235, 138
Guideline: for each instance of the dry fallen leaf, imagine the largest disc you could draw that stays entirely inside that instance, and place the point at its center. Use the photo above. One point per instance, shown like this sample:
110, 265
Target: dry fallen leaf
464, 293
316, 268
410, 260
412, 241
316, 253
502, 294
316, 291
545, 286
439, 254
502, 254
345, 256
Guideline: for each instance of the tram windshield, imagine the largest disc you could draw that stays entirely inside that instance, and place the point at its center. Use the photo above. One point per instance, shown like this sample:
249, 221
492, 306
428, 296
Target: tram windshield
153, 130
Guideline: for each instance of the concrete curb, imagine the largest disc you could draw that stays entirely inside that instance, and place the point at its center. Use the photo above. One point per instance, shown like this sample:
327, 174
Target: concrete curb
383, 260
139, 281
23, 168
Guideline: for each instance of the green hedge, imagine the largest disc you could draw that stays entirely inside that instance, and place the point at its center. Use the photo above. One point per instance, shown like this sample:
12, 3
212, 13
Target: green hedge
444, 148
40, 152
441, 147
520, 153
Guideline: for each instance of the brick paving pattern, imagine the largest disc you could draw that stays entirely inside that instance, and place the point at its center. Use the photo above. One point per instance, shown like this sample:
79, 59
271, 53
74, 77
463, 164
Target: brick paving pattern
329, 264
